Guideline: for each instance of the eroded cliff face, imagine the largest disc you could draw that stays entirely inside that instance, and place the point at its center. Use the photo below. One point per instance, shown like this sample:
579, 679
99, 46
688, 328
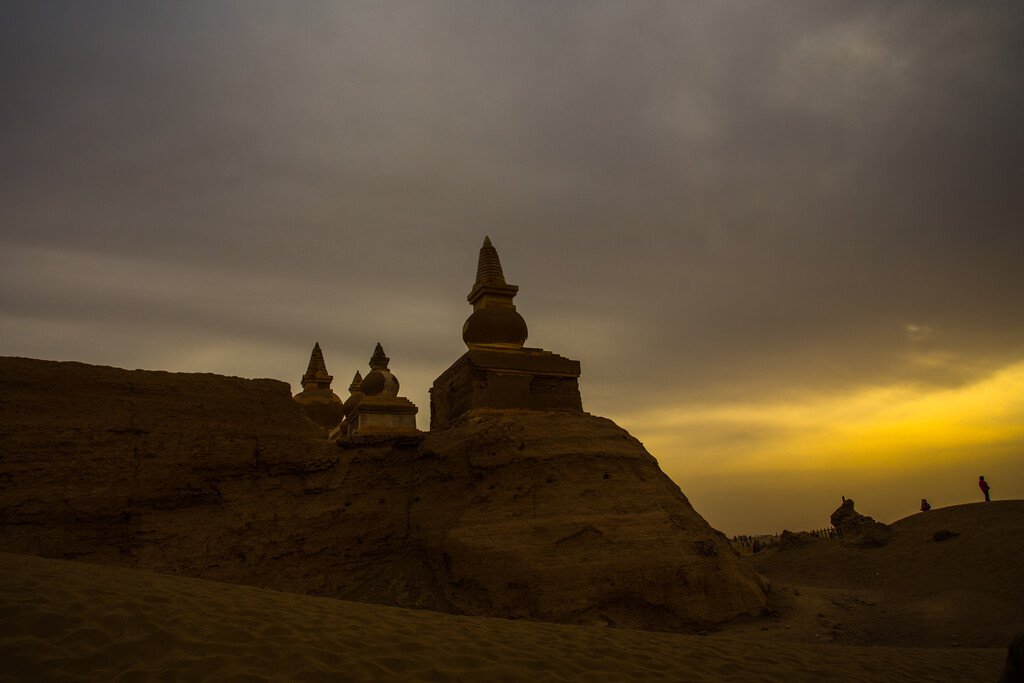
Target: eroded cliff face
567, 518
546, 516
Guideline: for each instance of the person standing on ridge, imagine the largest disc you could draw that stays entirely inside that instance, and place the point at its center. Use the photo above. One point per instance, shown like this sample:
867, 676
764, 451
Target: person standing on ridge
984, 488
925, 507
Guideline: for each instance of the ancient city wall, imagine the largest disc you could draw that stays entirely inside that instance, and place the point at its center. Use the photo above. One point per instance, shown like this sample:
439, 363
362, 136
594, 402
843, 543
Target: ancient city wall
528, 514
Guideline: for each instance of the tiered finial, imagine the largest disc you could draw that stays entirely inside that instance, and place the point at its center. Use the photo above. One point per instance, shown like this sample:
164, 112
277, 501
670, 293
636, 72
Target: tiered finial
316, 361
378, 361
488, 266
316, 372
495, 322
357, 380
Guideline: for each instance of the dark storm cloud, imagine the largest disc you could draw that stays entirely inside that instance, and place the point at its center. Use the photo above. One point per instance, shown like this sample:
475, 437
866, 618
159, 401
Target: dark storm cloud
724, 197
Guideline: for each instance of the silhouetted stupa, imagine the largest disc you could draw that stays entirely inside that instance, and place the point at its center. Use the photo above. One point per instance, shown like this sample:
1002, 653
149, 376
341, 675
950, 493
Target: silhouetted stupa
498, 372
380, 410
355, 393
321, 404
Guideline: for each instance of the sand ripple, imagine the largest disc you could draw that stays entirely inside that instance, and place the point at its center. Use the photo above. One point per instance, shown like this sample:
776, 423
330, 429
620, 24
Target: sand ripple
68, 621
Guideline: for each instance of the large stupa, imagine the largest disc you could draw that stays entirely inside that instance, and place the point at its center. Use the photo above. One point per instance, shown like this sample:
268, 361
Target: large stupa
498, 372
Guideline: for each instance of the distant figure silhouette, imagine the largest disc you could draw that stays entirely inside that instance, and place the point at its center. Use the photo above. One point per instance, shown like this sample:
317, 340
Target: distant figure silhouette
925, 507
984, 488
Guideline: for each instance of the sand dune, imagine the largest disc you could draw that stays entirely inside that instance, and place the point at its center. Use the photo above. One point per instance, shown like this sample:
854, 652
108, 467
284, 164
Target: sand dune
66, 621
914, 591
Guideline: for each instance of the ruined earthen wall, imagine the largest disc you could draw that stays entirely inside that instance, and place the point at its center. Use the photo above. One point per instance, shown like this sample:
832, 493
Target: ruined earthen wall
549, 516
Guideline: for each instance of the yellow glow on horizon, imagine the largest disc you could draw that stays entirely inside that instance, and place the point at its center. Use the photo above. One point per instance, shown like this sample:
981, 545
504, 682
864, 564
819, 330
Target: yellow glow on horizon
898, 426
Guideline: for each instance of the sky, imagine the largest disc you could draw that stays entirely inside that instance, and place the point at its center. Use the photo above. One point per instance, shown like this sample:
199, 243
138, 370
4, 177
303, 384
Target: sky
784, 239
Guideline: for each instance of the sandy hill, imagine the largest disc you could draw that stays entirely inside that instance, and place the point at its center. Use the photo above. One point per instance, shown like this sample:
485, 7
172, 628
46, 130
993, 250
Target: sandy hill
530, 515
72, 621
915, 590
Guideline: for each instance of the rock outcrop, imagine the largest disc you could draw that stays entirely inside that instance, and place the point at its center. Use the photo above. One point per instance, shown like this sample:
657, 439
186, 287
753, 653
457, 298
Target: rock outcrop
789, 540
859, 530
567, 518
550, 516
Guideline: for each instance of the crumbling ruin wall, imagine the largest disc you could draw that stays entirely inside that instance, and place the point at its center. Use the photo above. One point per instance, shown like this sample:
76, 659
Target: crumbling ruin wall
549, 516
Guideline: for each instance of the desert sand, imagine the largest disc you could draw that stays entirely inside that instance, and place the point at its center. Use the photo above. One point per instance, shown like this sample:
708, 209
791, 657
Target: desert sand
914, 591
65, 620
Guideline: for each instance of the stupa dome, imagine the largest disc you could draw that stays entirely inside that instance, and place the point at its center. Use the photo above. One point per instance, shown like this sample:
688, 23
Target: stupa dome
496, 326
379, 381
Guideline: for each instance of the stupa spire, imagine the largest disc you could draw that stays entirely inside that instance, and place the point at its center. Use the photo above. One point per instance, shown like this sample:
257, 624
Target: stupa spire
489, 267
379, 361
316, 372
357, 380
490, 288
494, 321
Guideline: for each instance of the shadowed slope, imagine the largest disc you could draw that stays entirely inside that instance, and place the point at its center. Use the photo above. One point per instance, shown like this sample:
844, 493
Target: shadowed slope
568, 518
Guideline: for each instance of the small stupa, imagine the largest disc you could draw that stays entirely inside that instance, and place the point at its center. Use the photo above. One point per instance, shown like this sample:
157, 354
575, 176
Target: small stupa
380, 410
321, 404
355, 393
499, 372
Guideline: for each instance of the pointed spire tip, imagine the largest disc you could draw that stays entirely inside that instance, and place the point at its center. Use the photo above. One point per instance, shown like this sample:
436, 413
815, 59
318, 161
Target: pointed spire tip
489, 266
379, 360
317, 368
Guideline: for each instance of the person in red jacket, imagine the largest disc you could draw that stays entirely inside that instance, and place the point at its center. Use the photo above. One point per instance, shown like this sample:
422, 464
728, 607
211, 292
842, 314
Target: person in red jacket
984, 488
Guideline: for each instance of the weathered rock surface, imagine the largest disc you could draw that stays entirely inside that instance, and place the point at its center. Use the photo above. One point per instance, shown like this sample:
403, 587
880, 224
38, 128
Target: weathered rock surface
536, 515
789, 540
859, 531
568, 518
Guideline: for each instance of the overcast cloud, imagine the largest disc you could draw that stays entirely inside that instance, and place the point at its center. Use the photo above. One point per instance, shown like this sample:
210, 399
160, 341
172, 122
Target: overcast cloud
705, 203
